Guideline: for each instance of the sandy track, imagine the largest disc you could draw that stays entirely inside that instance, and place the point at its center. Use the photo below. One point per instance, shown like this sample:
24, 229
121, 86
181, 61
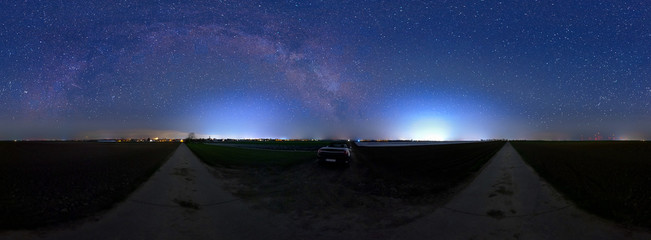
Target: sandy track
508, 200
182, 200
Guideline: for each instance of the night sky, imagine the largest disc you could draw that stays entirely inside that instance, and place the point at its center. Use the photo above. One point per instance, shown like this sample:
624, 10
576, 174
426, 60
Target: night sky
439, 70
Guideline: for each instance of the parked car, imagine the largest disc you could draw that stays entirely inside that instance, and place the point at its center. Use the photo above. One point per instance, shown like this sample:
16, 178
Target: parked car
335, 152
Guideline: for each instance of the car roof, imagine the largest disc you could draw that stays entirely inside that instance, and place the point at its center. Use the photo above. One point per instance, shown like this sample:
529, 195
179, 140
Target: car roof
339, 144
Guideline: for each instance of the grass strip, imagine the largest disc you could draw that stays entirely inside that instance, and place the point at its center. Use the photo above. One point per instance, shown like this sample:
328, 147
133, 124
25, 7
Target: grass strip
319, 143
224, 156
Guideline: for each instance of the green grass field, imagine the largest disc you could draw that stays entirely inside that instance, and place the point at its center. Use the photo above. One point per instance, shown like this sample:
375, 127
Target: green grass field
319, 143
232, 157
611, 179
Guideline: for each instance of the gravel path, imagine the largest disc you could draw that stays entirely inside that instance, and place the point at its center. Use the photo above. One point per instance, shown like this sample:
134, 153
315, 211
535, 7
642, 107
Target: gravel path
509, 201
182, 200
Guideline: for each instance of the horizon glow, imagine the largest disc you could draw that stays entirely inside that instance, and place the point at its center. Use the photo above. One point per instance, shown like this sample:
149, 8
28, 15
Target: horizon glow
424, 70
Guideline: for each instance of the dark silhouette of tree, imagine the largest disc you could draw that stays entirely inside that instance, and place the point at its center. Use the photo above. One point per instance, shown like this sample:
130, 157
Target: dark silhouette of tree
191, 137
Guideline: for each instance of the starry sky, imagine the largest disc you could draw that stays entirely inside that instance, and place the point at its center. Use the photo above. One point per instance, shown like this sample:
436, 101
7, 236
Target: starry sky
436, 70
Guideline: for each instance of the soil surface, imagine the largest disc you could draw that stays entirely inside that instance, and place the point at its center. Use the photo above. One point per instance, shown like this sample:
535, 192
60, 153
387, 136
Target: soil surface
47, 183
182, 200
508, 200
186, 199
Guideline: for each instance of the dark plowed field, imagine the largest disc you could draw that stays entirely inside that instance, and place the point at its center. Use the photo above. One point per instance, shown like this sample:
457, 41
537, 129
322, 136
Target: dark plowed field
422, 170
43, 183
611, 179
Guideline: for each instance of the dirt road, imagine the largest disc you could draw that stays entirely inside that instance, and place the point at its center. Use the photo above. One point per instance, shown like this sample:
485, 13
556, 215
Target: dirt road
509, 201
182, 200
